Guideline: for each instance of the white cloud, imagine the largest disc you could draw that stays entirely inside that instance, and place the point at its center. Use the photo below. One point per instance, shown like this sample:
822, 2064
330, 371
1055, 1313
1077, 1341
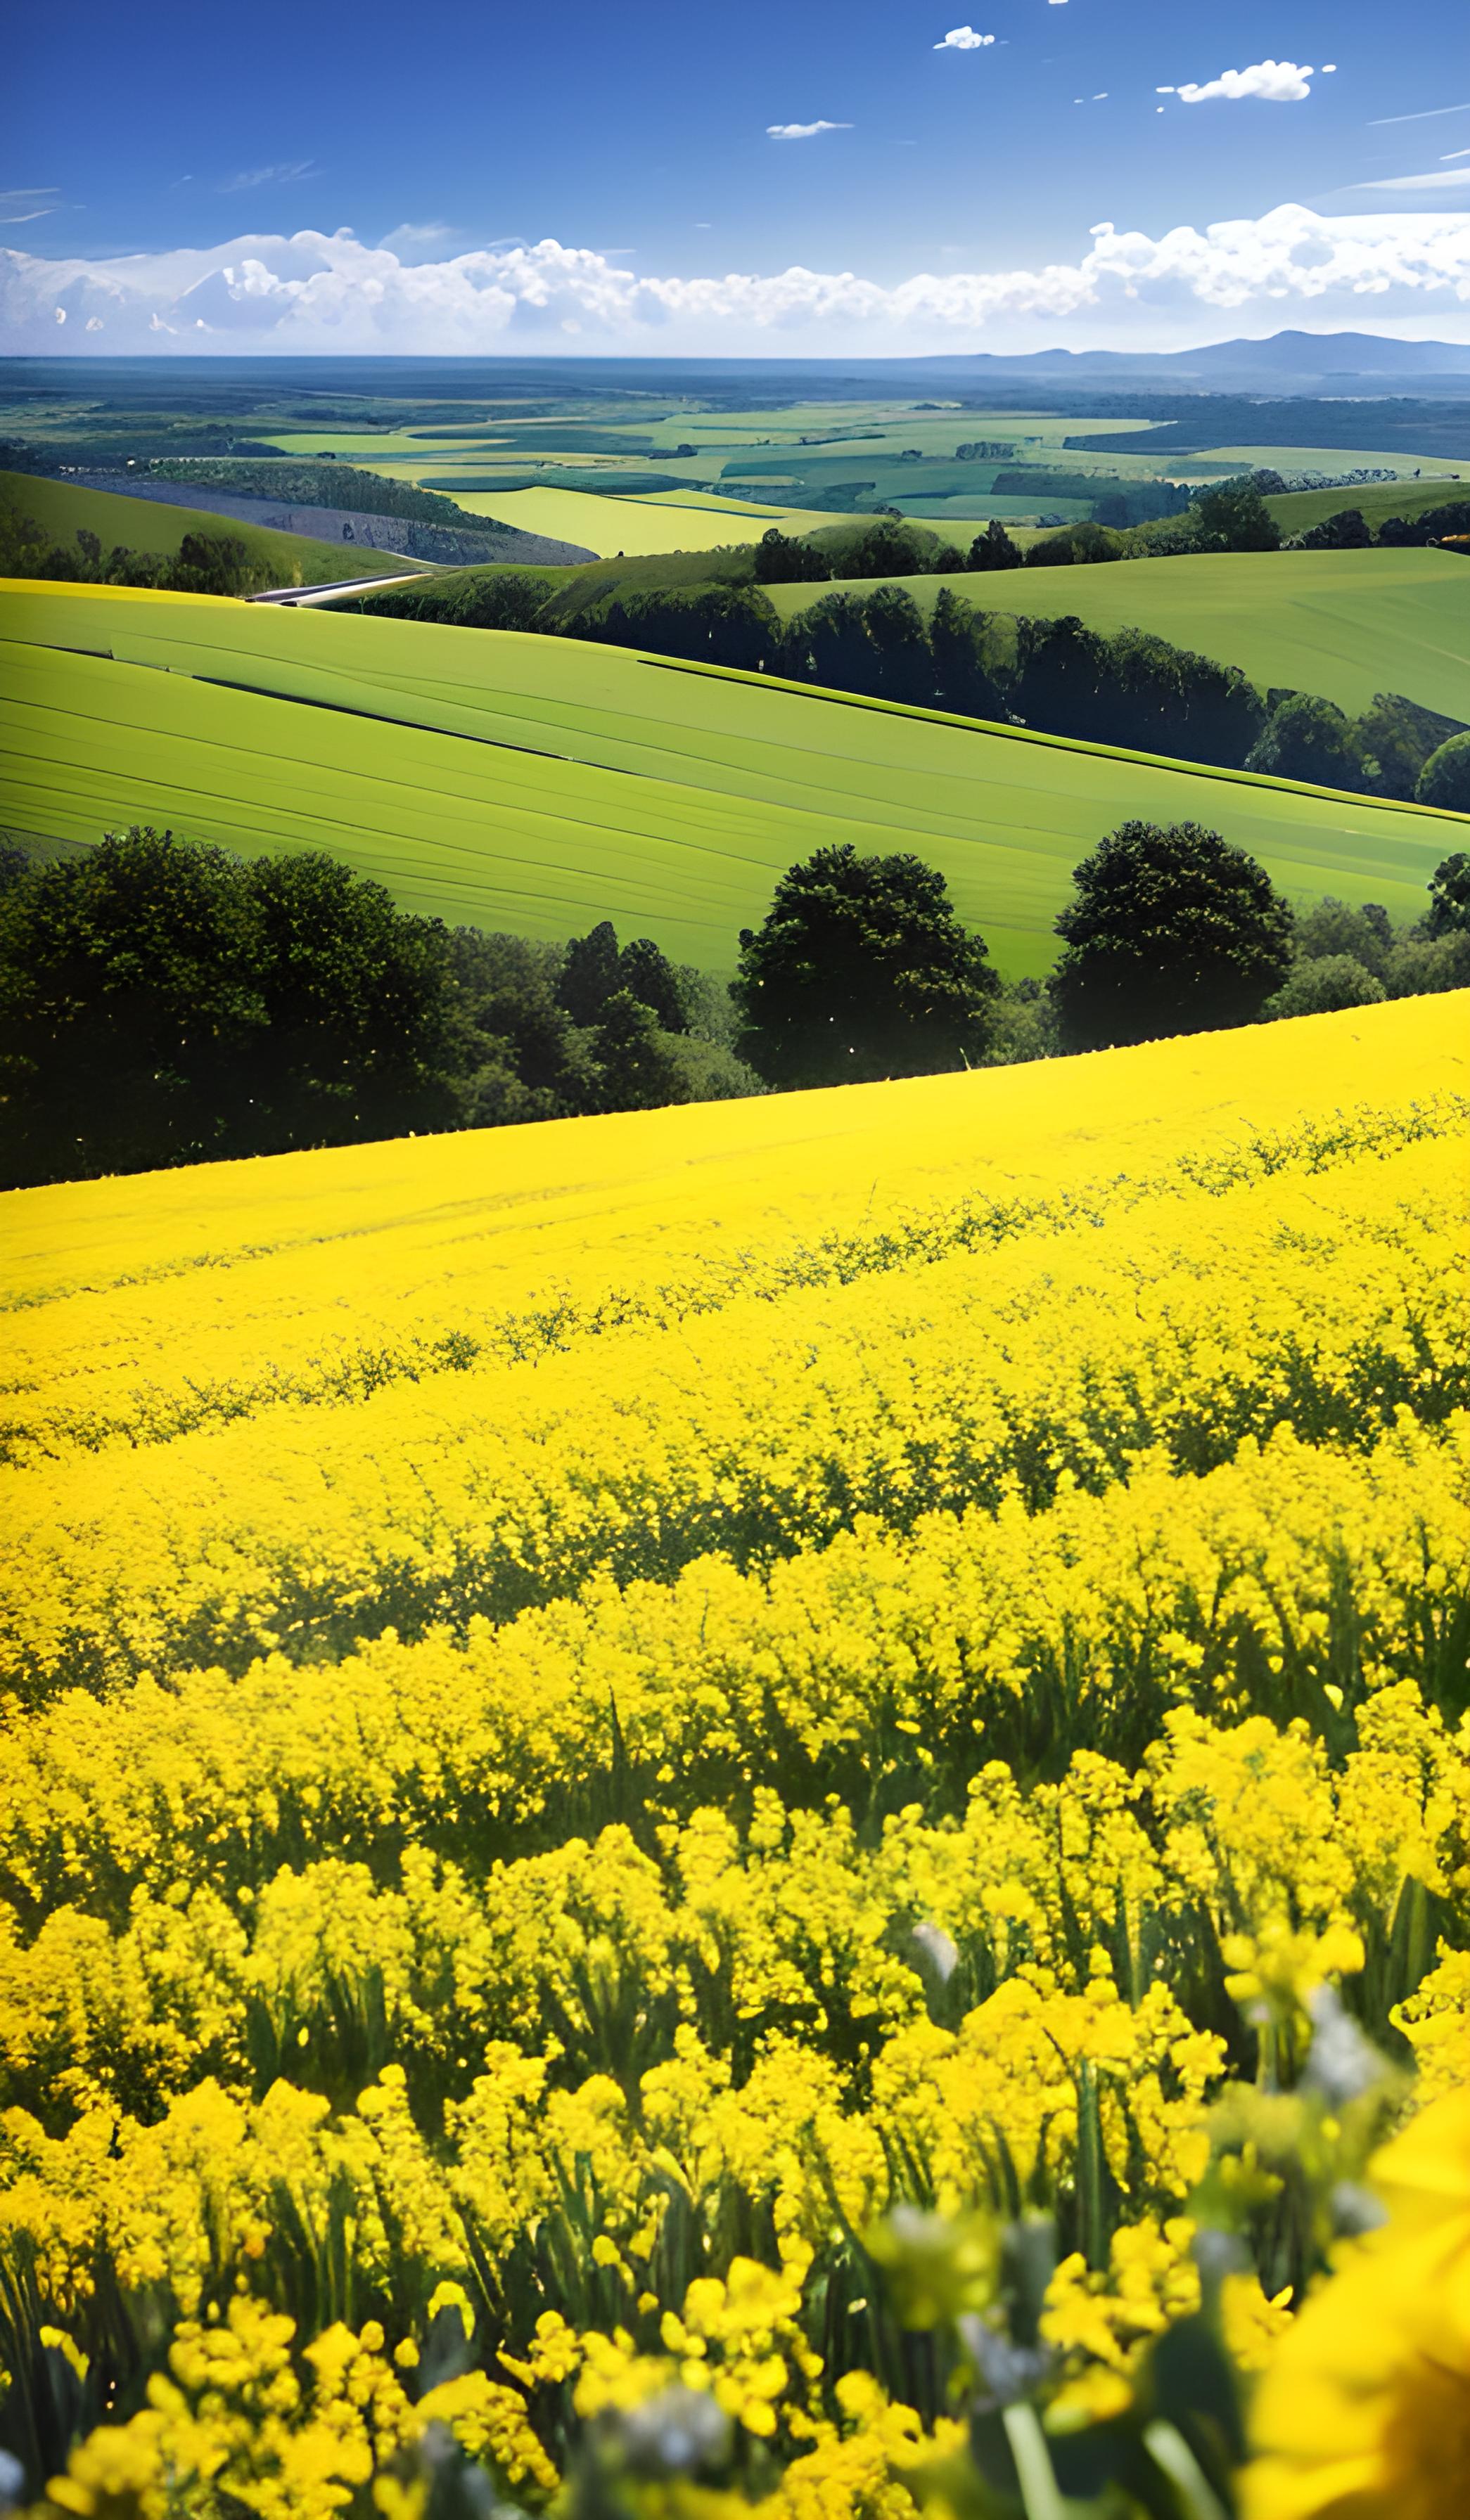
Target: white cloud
1273, 82
1431, 183
801, 130
963, 39
1431, 115
37, 201
314, 293
295, 172
1453, 153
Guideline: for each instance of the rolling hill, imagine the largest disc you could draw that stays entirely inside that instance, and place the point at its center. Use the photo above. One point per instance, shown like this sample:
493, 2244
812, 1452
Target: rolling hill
64, 509
1345, 624
1375, 502
516, 782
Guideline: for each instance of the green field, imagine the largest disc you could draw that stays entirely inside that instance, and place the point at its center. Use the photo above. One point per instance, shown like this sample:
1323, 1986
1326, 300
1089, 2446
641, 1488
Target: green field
1339, 459
540, 783
611, 525
1345, 624
64, 509
1375, 501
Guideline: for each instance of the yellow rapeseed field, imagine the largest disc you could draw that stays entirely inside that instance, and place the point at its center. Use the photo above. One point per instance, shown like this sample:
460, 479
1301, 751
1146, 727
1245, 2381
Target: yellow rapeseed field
765, 1806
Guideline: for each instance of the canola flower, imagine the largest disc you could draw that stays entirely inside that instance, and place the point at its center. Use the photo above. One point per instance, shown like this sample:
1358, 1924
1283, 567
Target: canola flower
681, 1839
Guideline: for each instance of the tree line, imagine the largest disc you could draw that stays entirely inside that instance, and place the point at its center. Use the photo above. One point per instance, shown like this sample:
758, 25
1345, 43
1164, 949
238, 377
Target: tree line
165, 1003
1129, 687
204, 564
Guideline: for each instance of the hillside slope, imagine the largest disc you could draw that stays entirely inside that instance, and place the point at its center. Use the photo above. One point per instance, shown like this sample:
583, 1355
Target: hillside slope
539, 784
65, 508
1345, 624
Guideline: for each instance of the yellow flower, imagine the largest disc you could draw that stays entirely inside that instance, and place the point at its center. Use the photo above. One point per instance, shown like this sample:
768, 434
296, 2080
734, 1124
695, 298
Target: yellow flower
1364, 2411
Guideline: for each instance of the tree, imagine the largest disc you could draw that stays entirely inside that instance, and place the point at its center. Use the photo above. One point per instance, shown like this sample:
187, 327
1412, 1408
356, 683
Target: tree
1324, 986
590, 972
1345, 530
357, 996
131, 1009
160, 1004
1394, 738
1311, 739
1076, 545
518, 1054
1420, 967
1234, 516
638, 1070
862, 969
1331, 929
1449, 896
1445, 778
1170, 931
888, 548
784, 560
993, 549
648, 975
903, 659
962, 681
829, 644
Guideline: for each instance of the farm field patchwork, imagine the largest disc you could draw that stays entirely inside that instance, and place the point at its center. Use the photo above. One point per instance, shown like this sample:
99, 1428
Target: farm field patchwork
480, 1806
540, 783
1345, 624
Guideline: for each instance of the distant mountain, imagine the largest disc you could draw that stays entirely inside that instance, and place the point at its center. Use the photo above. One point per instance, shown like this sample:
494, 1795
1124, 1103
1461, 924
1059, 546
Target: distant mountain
1316, 363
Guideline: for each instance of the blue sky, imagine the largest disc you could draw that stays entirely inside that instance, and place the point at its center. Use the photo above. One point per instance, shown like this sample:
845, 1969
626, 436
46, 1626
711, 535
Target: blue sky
639, 136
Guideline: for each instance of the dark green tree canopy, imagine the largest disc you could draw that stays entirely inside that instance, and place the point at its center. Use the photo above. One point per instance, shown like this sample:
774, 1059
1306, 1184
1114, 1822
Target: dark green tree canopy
161, 1003
1324, 986
1311, 739
638, 1068
1170, 931
1445, 778
1235, 517
595, 968
1450, 889
993, 549
862, 969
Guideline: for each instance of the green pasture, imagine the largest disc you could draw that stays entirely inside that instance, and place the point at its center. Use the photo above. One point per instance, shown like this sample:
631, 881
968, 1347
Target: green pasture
1338, 459
536, 783
611, 525
64, 509
1296, 510
1345, 624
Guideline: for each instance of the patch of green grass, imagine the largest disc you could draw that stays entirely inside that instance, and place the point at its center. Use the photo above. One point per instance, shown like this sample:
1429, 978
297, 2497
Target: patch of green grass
64, 509
1345, 624
1337, 459
1296, 510
539, 784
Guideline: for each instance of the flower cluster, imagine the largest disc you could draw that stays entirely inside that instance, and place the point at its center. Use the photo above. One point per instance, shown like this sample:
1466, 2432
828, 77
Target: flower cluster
724, 1850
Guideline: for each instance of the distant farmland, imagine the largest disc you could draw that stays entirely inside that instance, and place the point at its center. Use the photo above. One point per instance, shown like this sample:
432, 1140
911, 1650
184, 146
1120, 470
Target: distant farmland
539, 784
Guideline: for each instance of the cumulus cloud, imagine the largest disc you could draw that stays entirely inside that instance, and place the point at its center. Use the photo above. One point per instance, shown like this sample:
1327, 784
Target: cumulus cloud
1273, 82
803, 130
313, 292
963, 39
294, 172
